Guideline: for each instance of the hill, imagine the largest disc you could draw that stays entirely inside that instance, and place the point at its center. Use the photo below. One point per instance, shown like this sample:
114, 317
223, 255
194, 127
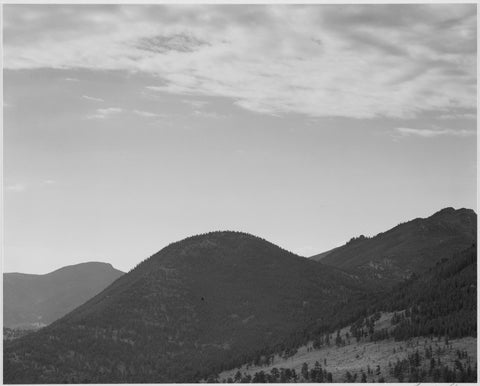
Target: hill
441, 302
33, 301
424, 330
408, 248
198, 306
322, 255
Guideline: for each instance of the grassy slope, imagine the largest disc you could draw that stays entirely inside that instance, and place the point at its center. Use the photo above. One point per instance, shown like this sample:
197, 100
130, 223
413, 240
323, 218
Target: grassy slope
356, 356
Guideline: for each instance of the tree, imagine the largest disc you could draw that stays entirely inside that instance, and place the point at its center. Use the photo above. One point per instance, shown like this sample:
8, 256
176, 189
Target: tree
259, 377
275, 374
238, 376
338, 339
364, 378
294, 376
304, 371
348, 377
417, 359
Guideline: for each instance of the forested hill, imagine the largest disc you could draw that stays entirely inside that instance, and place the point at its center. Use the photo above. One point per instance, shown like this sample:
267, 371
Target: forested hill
439, 306
198, 306
442, 302
409, 248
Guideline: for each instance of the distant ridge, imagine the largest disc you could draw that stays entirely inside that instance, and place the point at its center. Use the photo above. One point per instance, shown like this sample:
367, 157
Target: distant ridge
32, 301
410, 247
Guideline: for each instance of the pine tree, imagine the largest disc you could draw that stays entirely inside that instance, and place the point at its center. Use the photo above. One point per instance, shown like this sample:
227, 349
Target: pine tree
305, 371
364, 378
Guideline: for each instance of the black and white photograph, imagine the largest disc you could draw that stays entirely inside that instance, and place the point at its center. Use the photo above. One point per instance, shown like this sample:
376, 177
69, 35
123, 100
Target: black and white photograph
239, 193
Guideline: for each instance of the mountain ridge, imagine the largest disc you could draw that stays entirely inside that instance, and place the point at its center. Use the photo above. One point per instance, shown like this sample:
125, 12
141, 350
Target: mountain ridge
34, 300
409, 247
66, 267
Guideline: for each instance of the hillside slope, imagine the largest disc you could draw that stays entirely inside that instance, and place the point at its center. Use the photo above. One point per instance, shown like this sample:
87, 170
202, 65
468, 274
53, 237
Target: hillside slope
380, 361
428, 316
196, 307
32, 301
441, 302
411, 247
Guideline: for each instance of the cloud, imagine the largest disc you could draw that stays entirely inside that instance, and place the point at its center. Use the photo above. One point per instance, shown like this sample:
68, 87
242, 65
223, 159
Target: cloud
176, 42
105, 113
92, 98
458, 116
16, 188
198, 111
71, 80
207, 114
431, 133
355, 61
20, 187
146, 114
114, 111
192, 102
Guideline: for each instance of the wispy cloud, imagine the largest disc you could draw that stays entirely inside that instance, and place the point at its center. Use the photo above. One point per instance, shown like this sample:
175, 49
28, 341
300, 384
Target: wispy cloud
146, 114
16, 188
193, 102
432, 133
207, 114
357, 61
458, 116
21, 187
71, 80
92, 98
105, 113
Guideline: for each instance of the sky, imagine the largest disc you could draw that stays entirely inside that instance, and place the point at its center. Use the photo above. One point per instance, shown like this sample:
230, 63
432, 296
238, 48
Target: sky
130, 127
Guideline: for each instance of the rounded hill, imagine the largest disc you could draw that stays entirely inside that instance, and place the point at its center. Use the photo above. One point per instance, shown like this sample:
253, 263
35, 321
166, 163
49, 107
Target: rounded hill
199, 305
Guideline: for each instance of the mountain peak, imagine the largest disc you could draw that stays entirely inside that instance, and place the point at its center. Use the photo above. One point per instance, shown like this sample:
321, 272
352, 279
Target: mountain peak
219, 235
452, 211
217, 246
92, 264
